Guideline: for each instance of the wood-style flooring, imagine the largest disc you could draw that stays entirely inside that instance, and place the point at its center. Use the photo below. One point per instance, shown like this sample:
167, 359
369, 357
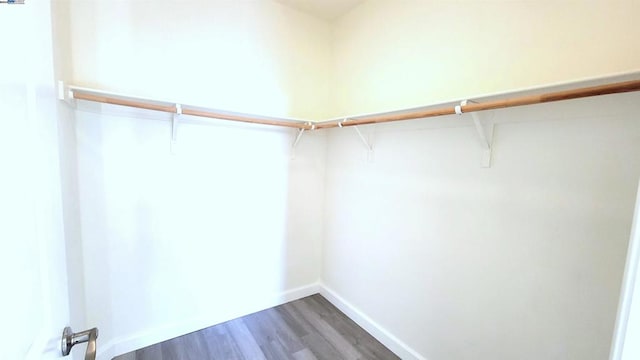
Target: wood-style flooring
305, 329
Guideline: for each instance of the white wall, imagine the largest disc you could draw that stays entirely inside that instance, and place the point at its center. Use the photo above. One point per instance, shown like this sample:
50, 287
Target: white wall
251, 56
172, 243
390, 54
519, 261
522, 260
229, 224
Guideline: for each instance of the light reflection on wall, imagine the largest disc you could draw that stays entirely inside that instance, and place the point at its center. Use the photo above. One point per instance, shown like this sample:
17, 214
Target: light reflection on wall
250, 56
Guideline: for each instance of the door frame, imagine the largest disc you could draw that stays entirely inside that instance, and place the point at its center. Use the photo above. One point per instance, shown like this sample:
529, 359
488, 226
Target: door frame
630, 280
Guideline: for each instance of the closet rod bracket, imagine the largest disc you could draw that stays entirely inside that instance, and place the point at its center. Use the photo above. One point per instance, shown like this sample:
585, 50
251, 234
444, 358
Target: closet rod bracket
298, 136
65, 94
484, 129
175, 119
367, 144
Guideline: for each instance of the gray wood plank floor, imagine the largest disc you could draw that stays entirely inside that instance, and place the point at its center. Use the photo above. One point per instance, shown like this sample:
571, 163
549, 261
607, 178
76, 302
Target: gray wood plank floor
306, 329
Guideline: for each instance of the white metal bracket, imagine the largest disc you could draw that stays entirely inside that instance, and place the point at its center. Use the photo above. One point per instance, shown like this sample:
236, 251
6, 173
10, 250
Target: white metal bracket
296, 140
298, 136
65, 94
367, 144
485, 134
174, 128
484, 130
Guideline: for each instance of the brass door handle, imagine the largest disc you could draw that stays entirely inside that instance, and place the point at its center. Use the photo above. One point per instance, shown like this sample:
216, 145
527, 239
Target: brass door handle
69, 339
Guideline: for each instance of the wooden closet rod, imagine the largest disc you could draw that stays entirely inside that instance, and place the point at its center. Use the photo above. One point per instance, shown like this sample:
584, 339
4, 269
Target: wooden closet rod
615, 88
140, 104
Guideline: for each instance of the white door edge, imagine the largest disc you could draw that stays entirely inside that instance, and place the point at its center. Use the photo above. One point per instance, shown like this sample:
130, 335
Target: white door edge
629, 282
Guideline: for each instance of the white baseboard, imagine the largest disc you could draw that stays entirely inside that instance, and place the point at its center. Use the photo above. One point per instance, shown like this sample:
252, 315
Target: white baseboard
380, 333
124, 344
127, 343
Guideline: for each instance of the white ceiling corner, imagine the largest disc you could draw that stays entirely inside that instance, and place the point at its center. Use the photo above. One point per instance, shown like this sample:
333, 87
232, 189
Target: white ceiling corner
324, 9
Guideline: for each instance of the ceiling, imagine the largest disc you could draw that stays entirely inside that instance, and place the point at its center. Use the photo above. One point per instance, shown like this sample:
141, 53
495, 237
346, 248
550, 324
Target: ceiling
324, 9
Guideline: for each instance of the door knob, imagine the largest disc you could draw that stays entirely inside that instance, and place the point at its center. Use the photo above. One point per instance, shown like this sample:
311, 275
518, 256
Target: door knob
69, 339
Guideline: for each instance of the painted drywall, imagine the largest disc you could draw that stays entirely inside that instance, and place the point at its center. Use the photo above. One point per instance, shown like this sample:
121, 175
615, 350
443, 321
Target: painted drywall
250, 56
522, 260
390, 54
226, 225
